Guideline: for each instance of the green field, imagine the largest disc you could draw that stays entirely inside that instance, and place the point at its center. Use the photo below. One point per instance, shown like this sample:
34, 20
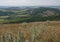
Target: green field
29, 15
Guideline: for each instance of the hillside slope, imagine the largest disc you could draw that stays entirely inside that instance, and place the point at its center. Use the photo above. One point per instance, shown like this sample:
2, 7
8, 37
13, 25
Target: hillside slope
12, 15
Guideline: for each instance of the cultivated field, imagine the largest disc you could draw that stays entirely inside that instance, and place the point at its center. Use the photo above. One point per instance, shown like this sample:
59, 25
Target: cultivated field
48, 31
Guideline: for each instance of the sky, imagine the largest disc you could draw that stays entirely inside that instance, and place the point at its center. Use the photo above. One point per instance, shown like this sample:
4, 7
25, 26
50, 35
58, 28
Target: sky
29, 2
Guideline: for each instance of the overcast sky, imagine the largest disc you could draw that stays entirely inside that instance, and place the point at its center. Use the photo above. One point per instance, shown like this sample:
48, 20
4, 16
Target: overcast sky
29, 2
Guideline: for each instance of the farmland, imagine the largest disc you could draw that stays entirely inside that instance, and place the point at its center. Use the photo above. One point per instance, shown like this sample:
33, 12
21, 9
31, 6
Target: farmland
30, 14
48, 31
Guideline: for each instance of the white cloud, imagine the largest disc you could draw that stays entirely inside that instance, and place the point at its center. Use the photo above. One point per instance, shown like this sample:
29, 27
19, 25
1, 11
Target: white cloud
28, 2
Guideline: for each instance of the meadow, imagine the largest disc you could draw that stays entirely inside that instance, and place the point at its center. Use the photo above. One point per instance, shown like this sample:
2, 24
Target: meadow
48, 31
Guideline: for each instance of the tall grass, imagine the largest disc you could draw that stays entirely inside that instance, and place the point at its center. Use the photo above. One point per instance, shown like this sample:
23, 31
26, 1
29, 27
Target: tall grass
9, 37
21, 37
36, 32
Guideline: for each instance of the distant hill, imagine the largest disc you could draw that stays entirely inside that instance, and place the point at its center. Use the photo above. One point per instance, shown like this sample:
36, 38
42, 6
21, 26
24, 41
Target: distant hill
58, 7
29, 14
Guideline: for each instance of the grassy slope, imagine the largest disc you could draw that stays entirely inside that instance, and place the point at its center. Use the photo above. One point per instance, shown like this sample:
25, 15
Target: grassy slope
45, 31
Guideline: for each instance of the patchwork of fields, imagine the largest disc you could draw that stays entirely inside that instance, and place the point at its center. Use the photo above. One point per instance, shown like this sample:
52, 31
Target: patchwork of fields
48, 31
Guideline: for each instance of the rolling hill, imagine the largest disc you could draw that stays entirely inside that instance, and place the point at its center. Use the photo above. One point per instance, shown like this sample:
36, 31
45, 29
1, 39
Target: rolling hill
28, 14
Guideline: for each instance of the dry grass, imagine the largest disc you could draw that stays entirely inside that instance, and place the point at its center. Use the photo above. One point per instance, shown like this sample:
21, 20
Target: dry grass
33, 32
